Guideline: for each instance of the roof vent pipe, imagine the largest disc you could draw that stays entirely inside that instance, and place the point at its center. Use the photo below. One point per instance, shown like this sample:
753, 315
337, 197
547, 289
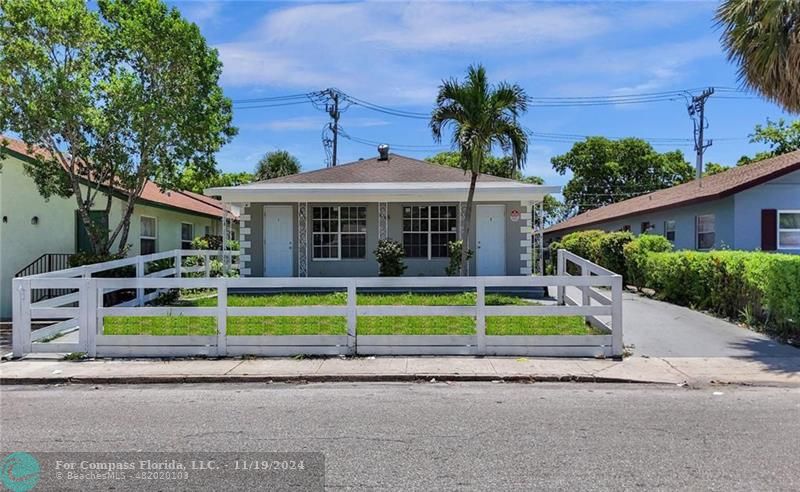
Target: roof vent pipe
383, 152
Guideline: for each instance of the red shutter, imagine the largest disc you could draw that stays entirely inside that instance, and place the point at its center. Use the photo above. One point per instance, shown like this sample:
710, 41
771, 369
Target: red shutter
769, 229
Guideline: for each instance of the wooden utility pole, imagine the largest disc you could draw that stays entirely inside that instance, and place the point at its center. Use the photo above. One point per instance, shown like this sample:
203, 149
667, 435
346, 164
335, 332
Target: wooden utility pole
333, 111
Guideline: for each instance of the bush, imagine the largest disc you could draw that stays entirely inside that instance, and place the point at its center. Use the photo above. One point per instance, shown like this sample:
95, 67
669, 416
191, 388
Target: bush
390, 256
635, 256
585, 244
454, 250
610, 251
83, 258
736, 284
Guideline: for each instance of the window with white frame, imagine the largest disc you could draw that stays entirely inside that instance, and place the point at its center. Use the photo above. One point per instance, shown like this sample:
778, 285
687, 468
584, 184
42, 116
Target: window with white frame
428, 229
339, 233
669, 230
789, 229
705, 231
187, 234
148, 235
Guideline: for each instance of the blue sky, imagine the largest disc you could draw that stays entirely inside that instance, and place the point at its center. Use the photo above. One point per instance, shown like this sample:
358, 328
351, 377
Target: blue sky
396, 53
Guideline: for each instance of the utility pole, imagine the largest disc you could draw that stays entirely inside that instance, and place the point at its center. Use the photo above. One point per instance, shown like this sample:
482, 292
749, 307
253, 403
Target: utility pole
333, 111
697, 113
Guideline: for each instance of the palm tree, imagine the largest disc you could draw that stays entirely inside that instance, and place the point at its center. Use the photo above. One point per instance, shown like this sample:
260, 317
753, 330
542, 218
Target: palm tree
276, 164
763, 38
481, 116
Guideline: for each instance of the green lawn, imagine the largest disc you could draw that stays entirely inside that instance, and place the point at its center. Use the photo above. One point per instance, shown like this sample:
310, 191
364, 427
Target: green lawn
336, 325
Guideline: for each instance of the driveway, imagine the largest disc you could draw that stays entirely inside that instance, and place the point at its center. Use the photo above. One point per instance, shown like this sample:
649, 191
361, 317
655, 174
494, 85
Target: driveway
659, 329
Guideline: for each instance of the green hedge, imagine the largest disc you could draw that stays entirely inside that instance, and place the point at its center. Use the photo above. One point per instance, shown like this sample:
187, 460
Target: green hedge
759, 288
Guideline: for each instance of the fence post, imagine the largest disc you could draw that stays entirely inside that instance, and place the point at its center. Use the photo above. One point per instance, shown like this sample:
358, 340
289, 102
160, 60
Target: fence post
207, 263
222, 317
616, 316
480, 315
585, 300
352, 316
139, 275
560, 270
83, 316
91, 317
178, 255
21, 313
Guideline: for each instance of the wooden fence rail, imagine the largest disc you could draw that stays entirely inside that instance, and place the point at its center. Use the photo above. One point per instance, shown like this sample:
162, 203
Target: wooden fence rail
85, 309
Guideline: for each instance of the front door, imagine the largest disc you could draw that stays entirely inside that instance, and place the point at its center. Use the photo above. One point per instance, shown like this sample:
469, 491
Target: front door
278, 241
491, 239
82, 242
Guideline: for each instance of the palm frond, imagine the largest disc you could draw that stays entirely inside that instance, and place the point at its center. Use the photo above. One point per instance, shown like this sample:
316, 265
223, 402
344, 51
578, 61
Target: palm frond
762, 37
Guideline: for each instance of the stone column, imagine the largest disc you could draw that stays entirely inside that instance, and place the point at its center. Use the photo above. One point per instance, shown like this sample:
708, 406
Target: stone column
526, 229
302, 235
383, 220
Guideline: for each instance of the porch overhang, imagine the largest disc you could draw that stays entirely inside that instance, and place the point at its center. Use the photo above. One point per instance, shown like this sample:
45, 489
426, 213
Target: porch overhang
380, 192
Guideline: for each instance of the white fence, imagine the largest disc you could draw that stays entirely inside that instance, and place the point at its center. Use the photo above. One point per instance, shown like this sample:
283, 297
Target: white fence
86, 310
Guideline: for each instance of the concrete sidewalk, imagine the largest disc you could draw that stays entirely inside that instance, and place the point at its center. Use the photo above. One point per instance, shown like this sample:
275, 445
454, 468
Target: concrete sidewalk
692, 371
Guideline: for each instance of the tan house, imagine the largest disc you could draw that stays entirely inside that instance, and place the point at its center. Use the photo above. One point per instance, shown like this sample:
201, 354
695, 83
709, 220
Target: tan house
38, 235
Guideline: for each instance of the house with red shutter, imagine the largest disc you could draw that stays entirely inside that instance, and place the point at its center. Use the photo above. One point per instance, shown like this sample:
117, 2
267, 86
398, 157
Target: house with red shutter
750, 207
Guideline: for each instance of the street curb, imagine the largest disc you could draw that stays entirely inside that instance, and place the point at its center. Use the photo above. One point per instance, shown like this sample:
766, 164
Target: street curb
321, 378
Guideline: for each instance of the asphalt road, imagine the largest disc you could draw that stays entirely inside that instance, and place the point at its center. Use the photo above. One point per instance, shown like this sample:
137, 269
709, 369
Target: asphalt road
440, 436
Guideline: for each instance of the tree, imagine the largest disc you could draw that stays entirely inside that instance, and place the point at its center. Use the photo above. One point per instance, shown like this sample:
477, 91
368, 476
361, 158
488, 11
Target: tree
781, 137
502, 167
110, 98
276, 164
713, 168
481, 115
762, 37
194, 181
607, 171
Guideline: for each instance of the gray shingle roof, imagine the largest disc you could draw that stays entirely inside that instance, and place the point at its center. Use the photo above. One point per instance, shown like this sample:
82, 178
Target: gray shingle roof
398, 169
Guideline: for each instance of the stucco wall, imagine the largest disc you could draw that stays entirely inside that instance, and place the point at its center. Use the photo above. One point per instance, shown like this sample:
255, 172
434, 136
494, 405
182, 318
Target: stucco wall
781, 194
684, 217
22, 242
368, 266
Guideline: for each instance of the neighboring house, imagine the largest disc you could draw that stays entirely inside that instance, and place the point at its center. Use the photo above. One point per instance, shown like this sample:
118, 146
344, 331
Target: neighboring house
43, 234
756, 206
327, 222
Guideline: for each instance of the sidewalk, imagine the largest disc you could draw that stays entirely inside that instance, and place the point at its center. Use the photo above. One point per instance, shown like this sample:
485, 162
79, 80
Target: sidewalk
686, 370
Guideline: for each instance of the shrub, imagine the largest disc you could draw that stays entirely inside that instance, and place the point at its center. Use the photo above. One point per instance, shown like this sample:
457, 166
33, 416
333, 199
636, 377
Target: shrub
83, 258
585, 244
454, 250
610, 252
635, 256
736, 284
390, 256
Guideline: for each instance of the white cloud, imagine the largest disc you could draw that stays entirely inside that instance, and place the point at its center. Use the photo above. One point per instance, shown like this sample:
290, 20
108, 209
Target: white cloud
395, 51
201, 12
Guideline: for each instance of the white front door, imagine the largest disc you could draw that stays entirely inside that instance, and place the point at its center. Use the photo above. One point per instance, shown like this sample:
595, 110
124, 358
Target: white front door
490, 257
278, 241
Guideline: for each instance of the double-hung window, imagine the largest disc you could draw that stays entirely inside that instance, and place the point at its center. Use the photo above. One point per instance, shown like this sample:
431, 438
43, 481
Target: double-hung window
669, 230
705, 231
339, 233
789, 229
187, 234
148, 235
428, 229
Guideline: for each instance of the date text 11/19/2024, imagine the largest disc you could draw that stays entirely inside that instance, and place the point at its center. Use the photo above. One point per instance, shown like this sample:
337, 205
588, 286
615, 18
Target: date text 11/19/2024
191, 465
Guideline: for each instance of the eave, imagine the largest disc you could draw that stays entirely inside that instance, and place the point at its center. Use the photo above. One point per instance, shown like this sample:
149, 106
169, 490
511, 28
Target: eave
380, 192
